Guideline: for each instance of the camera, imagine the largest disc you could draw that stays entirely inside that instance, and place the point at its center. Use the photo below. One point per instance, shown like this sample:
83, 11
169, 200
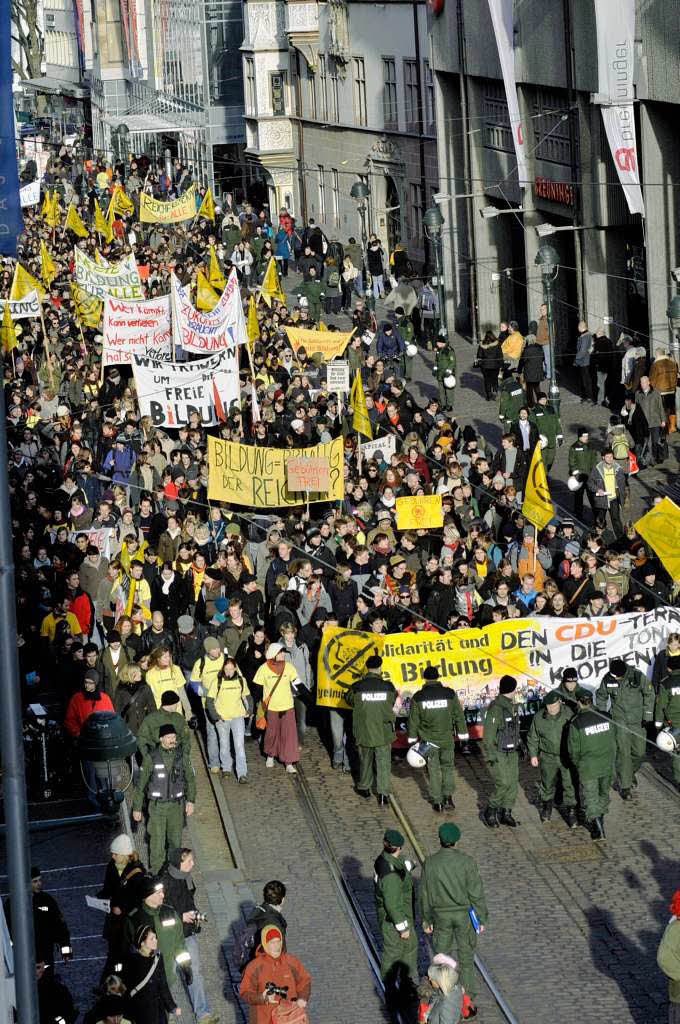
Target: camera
200, 918
271, 989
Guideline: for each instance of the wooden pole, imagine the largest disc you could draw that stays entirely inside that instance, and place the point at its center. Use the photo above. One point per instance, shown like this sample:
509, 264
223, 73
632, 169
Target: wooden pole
533, 560
46, 343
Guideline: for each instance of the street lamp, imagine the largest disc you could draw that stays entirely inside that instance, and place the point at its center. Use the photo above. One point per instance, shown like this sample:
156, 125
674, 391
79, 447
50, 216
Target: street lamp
548, 260
433, 223
360, 193
105, 743
488, 212
673, 314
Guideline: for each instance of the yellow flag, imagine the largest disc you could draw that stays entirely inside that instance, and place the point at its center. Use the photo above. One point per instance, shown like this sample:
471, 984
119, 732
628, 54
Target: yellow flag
101, 224
88, 309
207, 207
270, 288
74, 222
660, 527
46, 206
360, 420
48, 269
121, 201
537, 506
216, 277
206, 296
23, 284
253, 325
53, 215
8, 331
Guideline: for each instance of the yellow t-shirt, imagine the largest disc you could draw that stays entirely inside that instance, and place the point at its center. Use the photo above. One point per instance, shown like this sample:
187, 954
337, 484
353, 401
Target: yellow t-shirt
161, 679
48, 626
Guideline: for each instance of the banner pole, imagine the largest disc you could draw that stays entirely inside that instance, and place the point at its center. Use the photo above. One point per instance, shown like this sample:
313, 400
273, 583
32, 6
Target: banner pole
533, 568
50, 371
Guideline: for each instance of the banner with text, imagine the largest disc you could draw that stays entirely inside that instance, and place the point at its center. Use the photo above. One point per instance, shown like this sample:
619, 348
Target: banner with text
29, 195
20, 309
328, 343
247, 475
535, 650
198, 331
141, 327
119, 280
169, 392
155, 211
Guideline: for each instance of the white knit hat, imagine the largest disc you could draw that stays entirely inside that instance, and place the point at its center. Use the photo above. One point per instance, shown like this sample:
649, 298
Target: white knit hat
122, 844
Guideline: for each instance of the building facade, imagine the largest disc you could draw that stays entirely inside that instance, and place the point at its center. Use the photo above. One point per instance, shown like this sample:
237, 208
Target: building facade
615, 269
336, 93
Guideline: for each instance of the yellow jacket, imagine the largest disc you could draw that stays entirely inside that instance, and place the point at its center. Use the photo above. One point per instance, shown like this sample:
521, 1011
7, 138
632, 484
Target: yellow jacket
231, 697
283, 697
513, 345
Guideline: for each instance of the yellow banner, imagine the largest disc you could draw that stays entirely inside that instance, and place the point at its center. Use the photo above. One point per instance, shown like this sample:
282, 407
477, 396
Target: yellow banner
155, 211
329, 344
360, 421
660, 527
247, 475
421, 512
537, 506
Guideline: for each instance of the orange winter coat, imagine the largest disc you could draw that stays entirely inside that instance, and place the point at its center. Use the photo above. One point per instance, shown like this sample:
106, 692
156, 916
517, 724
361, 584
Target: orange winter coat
283, 970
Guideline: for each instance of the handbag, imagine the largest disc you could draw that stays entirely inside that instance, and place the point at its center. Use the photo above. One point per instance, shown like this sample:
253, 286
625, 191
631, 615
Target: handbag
261, 720
289, 1013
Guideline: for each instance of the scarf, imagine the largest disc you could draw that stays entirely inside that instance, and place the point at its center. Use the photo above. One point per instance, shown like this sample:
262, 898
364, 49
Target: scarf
276, 667
166, 584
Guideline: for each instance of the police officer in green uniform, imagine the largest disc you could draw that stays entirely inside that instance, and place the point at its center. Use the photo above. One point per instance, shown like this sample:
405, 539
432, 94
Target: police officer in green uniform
500, 748
547, 424
566, 691
312, 290
167, 780
167, 714
444, 366
582, 461
511, 398
631, 698
159, 915
449, 887
667, 707
372, 701
591, 743
435, 713
394, 904
546, 746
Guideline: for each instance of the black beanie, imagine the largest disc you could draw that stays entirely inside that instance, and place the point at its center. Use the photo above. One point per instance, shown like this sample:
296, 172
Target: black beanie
507, 684
431, 672
375, 661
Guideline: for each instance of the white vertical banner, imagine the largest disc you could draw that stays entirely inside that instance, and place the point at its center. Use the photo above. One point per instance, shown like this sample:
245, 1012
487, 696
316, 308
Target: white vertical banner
615, 21
501, 16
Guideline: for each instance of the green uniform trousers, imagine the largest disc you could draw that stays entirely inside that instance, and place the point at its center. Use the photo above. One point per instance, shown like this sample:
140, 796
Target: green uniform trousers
440, 772
166, 821
398, 951
454, 935
382, 757
595, 795
630, 752
548, 457
551, 770
505, 777
446, 395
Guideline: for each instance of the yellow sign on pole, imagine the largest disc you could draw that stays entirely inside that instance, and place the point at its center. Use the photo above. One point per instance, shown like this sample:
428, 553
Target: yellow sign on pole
420, 512
660, 527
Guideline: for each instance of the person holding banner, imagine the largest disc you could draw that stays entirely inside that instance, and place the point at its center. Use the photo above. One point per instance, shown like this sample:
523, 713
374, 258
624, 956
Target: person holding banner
500, 748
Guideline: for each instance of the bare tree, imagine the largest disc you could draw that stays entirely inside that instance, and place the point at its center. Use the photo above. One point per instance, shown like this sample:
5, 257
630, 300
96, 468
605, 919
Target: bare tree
27, 33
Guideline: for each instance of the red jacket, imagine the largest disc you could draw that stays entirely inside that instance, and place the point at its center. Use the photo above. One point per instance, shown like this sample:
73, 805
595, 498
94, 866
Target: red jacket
80, 707
81, 606
284, 970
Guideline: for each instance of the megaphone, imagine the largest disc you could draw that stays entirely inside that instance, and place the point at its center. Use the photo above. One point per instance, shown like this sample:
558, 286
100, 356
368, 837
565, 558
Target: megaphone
668, 740
417, 754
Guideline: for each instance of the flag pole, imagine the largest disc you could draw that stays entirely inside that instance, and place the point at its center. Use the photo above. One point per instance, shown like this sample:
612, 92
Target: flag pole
50, 371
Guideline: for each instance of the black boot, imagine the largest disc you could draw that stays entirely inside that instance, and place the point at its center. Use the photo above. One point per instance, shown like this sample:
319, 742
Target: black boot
600, 825
365, 793
448, 801
383, 800
490, 817
570, 817
505, 818
594, 828
545, 812
625, 794
437, 808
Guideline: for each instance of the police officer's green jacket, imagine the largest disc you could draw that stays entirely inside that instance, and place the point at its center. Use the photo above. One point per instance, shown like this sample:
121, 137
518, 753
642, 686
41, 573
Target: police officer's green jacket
511, 398
169, 930
582, 458
546, 733
372, 700
405, 328
451, 883
501, 728
568, 698
168, 759
668, 958
147, 735
591, 742
393, 891
435, 713
548, 424
444, 363
632, 698
667, 707
312, 291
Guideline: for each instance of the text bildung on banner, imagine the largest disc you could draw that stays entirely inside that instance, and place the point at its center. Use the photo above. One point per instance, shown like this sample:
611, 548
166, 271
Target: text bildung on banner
535, 650
198, 331
615, 23
248, 475
21, 309
155, 211
329, 344
169, 392
502, 18
139, 327
119, 280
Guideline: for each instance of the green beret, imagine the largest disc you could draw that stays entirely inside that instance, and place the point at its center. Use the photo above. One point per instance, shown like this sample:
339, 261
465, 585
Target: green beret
449, 834
582, 692
393, 837
551, 698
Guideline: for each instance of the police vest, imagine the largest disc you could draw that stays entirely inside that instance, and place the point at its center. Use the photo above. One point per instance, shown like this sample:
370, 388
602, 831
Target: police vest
508, 734
166, 784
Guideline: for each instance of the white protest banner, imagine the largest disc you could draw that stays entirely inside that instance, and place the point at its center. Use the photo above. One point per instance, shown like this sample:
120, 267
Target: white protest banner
29, 195
337, 375
195, 330
141, 326
101, 538
385, 446
502, 18
169, 392
20, 309
121, 280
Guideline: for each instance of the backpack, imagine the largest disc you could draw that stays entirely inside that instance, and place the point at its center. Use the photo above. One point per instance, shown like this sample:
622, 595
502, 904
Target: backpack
620, 446
246, 938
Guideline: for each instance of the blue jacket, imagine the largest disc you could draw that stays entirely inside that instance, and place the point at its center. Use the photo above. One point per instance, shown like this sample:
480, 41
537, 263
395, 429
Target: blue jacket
389, 346
282, 244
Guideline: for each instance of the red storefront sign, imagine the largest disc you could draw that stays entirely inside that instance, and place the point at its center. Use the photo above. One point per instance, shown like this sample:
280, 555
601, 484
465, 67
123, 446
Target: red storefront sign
556, 191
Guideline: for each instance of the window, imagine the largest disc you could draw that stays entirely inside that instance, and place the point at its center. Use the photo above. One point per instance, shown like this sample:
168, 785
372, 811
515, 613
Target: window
322, 195
429, 98
334, 114
550, 131
496, 127
295, 82
360, 112
390, 114
311, 84
323, 90
417, 204
335, 196
411, 99
278, 93
250, 85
